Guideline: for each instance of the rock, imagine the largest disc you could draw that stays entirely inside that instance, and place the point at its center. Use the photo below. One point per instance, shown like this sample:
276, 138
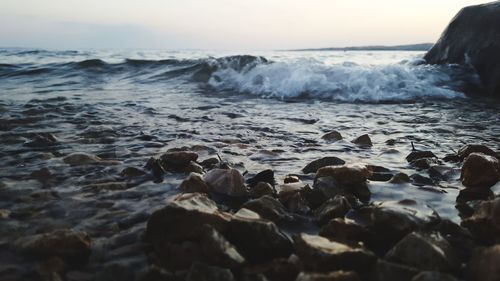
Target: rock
344, 231
484, 224
465, 151
416, 155
42, 140
419, 180
264, 176
194, 167
388, 271
291, 179
322, 255
97, 187
345, 175
131, 172
71, 246
424, 163
282, 269
210, 163
378, 173
177, 160
258, 240
472, 39
363, 140
433, 276
203, 272
331, 276
480, 171
194, 183
335, 207
261, 189
269, 208
218, 250
332, 136
315, 165
400, 178
77, 159
182, 218
226, 181
483, 265
426, 252
156, 168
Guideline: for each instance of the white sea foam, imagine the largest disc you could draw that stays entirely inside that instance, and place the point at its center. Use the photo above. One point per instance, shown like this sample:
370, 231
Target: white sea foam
349, 82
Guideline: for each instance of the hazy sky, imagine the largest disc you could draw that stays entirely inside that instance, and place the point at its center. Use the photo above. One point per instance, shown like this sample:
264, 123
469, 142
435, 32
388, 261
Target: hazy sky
222, 24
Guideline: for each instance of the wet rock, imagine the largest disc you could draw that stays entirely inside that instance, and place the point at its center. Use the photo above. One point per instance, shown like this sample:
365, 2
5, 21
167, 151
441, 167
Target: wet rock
269, 208
453, 158
344, 231
194, 167
194, 183
420, 180
210, 163
218, 250
280, 269
335, 207
416, 155
77, 159
484, 264
291, 179
258, 240
390, 142
345, 175
480, 171
424, 163
182, 219
363, 140
226, 181
297, 203
43, 174
484, 224
332, 136
315, 165
400, 178
106, 186
42, 140
71, 246
155, 273
203, 272
388, 271
424, 251
322, 255
264, 176
177, 161
261, 189
378, 173
331, 276
131, 172
177, 256
433, 276
156, 167
472, 194
467, 150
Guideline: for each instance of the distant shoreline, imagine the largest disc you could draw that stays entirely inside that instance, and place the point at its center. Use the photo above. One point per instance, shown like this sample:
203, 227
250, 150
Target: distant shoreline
410, 47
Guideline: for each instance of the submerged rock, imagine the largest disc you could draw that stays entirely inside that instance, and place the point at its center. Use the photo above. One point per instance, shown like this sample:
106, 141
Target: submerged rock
71, 246
226, 181
315, 165
332, 136
416, 155
132, 172
472, 38
480, 171
77, 159
177, 160
323, 255
42, 140
363, 140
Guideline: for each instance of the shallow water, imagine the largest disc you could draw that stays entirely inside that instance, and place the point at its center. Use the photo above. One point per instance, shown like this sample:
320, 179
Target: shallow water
96, 102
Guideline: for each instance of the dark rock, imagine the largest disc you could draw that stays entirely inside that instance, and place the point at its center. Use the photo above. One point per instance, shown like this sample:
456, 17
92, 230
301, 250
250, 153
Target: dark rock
388, 271
281, 269
43, 174
194, 167
424, 163
291, 179
390, 142
203, 272
269, 208
264, 176
400, 178
344, 231
322, 255
335, 207
226, 181
331, 276
315, 165
42, 140
433, 276
71, 246
424, 251
480, 171
97, 187
218, 250
132, 172
485, 222
332, 136
177, 160
155, 273
261, 189
194, 183
345, 175
465, 151
472, 38
378, 173
77, 159
484, 264
473, 194
363, 140
453, 158
210, 163
420, 180
416, 155
156, 167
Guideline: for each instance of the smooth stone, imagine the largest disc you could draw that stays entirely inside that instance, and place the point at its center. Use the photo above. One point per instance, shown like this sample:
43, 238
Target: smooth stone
465, 151
483, 265
333, 208
194, 183
226, 181
264, 176
416, 155
480, 171
345, 175
194, 167
331, 276
379, 173
484, 224
344, 231
269, 208
400, 178
218, 250
261, 189
332, 136
388, 271
315, 165
210, 163
177, 160
132, 172
363, 140
291, 179
322, 255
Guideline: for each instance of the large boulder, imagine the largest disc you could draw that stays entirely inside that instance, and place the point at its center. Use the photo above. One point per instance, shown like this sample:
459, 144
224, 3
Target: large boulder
480, 171
472, 38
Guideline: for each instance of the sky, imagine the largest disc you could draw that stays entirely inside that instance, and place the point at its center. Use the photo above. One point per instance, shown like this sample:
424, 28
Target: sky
222, 24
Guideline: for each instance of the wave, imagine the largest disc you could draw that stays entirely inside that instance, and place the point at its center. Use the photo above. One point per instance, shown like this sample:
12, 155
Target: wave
260, 77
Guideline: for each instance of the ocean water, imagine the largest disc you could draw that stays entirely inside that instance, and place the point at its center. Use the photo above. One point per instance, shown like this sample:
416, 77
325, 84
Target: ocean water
255, 110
